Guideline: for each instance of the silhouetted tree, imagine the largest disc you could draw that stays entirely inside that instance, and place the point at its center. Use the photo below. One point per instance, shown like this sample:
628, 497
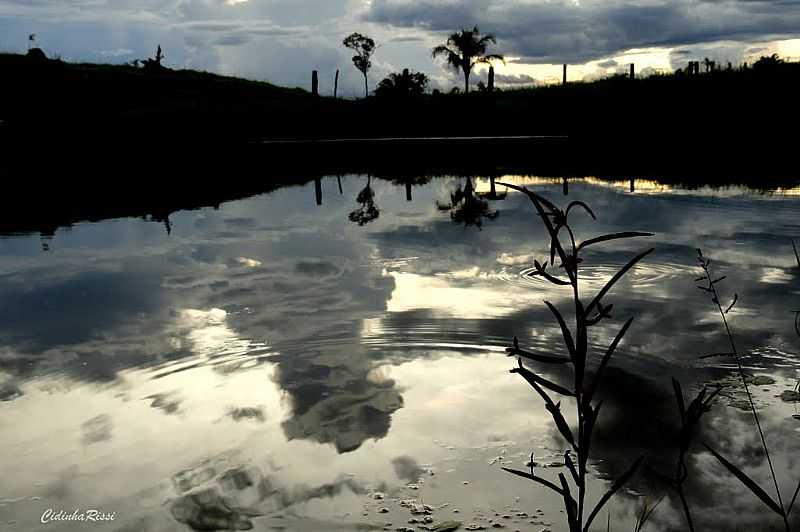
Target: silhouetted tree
155, 62
465, 49
404, 85
364, 47
37, 55
768, 62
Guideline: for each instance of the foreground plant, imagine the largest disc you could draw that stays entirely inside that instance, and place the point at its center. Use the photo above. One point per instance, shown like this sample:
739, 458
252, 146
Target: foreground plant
583, 390
689, 423
778, 506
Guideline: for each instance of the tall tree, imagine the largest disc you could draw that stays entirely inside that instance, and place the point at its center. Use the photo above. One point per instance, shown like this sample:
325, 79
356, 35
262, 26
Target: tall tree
364, 47
465, 49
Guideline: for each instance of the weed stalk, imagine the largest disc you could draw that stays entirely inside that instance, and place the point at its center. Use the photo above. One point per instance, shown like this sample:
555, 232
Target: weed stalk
576, 341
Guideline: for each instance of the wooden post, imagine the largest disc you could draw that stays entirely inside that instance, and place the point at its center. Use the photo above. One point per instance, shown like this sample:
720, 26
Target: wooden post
564, 78
408, 190
339, 181
491, 78
336, 85
314, 83
633, 71
633, 186
318, 189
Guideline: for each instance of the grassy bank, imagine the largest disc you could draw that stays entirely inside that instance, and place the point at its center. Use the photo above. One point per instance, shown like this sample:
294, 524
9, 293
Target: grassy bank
724, 122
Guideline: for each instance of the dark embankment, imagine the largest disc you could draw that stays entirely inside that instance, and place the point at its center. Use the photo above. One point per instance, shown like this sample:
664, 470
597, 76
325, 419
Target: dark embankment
738, 121
85, 142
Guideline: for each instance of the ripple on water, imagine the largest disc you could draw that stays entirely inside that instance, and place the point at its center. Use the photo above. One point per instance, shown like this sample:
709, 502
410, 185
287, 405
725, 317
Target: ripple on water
596, 275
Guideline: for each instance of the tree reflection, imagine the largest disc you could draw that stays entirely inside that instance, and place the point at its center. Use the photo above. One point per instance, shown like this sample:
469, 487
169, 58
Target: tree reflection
368, 210
411, 181
467, 207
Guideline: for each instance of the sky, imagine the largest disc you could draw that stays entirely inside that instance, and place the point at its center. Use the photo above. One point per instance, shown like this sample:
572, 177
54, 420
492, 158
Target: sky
281, 41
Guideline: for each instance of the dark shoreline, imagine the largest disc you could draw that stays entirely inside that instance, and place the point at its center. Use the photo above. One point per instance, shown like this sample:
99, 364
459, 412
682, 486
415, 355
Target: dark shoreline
46, 193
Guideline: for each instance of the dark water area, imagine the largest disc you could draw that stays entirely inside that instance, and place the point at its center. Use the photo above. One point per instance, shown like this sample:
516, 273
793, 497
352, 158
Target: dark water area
307, 358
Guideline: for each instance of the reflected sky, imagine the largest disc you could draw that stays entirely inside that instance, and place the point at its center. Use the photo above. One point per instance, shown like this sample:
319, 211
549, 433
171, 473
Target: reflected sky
275, 358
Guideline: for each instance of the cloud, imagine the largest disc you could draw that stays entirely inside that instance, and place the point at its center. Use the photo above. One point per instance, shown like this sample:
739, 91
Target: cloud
510, 79
609, 63
283, 40
570, 32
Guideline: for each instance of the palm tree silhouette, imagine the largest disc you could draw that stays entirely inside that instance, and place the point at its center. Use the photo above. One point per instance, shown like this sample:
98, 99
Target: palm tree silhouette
465, 49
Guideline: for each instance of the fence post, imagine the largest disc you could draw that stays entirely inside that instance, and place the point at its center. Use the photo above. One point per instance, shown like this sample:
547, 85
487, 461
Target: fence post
314, 83
336, 85
633, 71
564, 79
318, 189
491, 78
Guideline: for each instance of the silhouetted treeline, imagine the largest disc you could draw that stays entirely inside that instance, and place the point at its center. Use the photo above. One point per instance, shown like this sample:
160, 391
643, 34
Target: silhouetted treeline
723, 121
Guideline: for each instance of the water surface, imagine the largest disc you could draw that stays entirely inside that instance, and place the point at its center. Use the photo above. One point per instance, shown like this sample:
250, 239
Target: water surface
280, 364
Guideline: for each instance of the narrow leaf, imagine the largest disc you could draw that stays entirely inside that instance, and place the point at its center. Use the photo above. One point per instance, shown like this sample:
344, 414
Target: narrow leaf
540, 270
571, 466
561, 423
621, 481
796, 256
712, 355
796, 491
735, 299
583, 205
564, 329
747, 481
546, 359
534, 478
646, 515
679, 398
707, 403
715, 281
532, 378
612, 236
631, 263
604, 362
538, 201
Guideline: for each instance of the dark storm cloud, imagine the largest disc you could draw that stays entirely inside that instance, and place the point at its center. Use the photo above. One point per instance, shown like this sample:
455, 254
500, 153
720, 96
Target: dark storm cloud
282, 40
565, 31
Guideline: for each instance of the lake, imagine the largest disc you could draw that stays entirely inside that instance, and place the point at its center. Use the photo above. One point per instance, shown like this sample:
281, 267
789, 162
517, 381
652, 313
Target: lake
279, 364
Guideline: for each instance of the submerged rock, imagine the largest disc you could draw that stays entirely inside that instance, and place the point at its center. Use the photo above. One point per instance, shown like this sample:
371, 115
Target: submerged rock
447, 526
759, 380
790, 396
740, 404
9, 392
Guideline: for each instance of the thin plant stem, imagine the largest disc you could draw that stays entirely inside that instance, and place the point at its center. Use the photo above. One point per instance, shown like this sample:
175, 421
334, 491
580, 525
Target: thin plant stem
735, 352
685, 505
